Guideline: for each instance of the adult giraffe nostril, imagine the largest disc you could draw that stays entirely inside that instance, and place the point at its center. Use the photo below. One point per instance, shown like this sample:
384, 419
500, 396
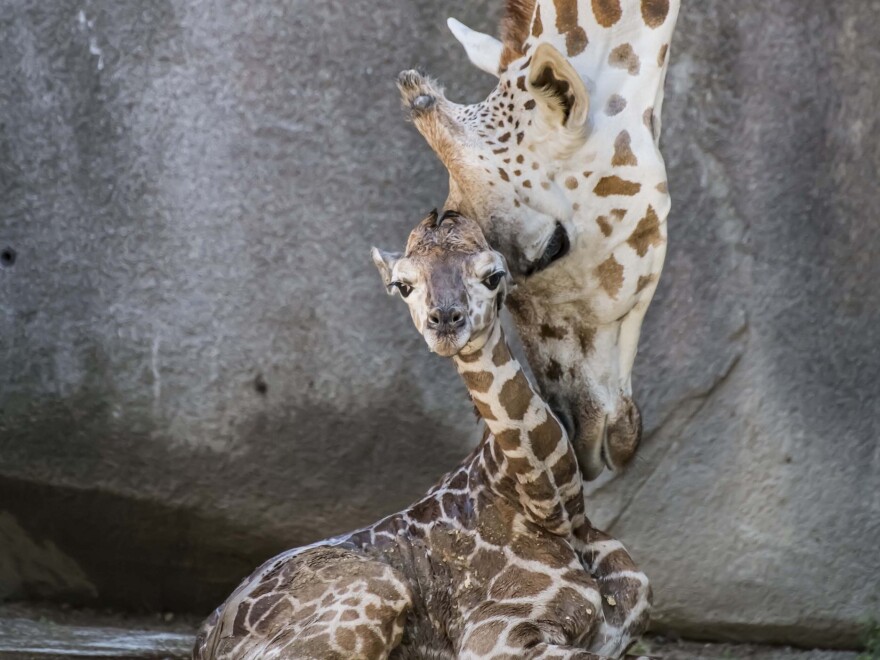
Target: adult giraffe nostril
457, 318
422, 102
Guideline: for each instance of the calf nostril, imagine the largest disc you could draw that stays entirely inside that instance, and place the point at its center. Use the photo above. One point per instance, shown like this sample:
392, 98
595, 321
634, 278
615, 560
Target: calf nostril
434, 318
457, 318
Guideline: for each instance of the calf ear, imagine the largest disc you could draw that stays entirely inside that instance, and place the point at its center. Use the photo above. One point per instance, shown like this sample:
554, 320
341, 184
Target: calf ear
385, 263
558, 88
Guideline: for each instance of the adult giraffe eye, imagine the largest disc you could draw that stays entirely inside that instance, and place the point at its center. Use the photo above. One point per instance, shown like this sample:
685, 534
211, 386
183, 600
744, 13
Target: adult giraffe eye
404, 289
493, 280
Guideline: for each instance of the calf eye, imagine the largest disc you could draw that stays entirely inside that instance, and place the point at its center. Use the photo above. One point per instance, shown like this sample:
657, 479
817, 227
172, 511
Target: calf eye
493, 280
404, 289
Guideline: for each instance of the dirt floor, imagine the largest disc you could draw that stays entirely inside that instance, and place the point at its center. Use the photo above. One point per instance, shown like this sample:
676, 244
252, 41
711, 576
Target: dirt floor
33, 631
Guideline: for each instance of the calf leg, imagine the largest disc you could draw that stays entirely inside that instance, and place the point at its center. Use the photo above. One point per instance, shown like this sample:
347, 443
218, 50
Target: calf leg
321, 604
625, 590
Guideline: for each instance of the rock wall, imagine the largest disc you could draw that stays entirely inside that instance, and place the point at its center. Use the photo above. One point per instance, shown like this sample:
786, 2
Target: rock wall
198, 366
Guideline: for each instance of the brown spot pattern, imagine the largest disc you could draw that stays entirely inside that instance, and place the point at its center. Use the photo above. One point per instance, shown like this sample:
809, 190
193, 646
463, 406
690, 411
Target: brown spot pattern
624, 57
516, 582
623, 153
586, 336
545, 438
616, 104
426, 511
654, 12
604, 225
478, 381
492, 610
346, 638
567, 24
508, 439
610, 274
540, 488
525, 634
468, 357
503, 174
607, 12
566, 15
663, 187
576, 41
500, 354
614, 185
644, 280
494, 526
564, 469
484, 411
661, 56
570, 602
571, 183
554, 555
646, 234
515, 396
537, 25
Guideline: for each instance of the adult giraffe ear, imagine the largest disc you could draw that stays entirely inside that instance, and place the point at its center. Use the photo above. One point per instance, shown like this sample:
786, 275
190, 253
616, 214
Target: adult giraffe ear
385, 263
558, 89
483, 51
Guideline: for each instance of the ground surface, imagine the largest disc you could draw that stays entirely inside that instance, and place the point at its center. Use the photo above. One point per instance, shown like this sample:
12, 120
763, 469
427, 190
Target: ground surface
41, 632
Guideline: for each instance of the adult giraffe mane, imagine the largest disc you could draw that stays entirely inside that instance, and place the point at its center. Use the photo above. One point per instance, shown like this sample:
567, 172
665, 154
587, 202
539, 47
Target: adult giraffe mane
515, 26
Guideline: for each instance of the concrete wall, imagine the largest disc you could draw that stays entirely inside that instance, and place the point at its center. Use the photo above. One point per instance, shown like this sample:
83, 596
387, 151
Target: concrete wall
198, 366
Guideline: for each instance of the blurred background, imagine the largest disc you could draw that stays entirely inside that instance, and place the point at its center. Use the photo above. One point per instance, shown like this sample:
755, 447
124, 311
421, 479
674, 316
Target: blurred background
199, 366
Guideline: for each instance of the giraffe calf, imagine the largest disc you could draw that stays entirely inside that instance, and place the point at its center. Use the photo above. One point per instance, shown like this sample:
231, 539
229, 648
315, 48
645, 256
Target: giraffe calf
496, 561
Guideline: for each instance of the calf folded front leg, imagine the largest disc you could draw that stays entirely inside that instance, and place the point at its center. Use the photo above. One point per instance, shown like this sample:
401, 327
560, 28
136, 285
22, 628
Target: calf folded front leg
322, 604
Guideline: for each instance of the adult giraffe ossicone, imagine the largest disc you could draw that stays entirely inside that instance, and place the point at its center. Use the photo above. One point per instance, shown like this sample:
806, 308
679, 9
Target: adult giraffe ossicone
560, 166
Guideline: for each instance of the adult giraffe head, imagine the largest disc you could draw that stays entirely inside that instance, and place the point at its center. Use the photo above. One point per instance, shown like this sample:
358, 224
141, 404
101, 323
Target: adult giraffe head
561, 168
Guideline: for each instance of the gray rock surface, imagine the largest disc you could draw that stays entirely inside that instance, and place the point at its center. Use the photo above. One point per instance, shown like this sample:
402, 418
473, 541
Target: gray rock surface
198, 366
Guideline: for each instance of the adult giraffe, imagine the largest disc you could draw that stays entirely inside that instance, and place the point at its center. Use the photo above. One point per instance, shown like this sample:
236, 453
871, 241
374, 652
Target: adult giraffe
561, 168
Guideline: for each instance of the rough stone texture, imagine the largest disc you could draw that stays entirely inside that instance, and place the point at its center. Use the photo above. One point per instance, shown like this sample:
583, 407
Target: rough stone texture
668, 649
198, 366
